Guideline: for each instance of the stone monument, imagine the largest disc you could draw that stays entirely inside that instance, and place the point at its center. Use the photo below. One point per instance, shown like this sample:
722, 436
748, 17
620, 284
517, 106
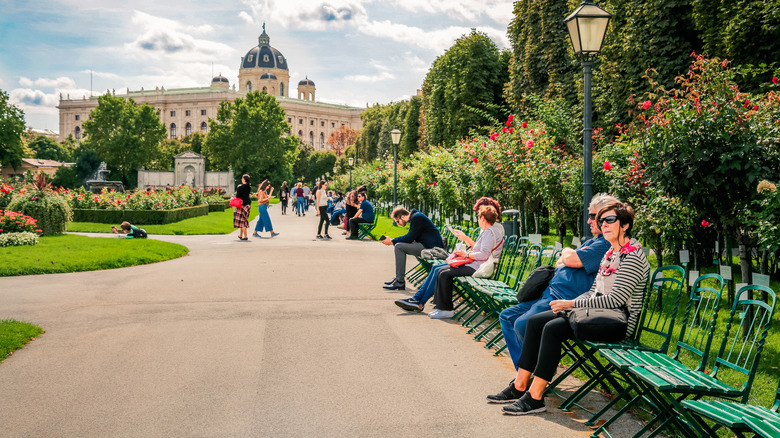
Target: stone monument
189, 169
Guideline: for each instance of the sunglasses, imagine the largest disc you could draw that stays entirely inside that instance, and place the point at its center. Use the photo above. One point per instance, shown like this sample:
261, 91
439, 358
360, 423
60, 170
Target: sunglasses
608, 219
592, 216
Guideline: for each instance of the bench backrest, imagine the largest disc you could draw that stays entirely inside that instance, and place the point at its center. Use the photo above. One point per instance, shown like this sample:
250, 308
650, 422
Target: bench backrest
701, 316
659, 309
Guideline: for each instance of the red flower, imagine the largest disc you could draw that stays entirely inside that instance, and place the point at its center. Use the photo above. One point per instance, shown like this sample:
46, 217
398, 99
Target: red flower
525, 125
475, 160
704, 223
529, 144
607, 165
511, 117
747, 103
774, 79
755, 108
508, 123
646, 104
434, 183
511, 130
503, 130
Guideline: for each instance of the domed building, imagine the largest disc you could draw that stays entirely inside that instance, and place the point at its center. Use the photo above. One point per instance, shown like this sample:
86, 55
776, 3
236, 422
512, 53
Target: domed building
187, 110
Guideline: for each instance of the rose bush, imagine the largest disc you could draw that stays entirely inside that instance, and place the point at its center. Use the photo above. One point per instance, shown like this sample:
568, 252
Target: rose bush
15, 222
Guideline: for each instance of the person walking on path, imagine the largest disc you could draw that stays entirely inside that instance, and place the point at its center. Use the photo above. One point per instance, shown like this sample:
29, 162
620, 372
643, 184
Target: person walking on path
284, 196
264, 192
422, 234
322, 209
299, 200
241, 214
306, 197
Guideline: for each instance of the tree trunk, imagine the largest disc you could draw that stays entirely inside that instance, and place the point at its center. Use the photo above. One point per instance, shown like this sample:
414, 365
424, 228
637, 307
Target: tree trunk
561, 231
536, 222
659, 255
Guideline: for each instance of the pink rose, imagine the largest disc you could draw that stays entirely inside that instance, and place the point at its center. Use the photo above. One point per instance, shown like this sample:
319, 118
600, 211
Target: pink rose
529, 144
704, 223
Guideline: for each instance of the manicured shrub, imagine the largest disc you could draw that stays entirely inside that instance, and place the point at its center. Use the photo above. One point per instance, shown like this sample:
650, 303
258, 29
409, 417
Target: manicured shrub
140, 217
49, 209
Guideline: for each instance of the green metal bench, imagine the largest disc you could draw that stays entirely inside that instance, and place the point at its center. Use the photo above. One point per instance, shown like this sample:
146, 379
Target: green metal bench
365, 229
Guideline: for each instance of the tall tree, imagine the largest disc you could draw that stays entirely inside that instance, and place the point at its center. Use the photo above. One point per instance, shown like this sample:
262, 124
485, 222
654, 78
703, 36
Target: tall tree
11, 130
411, 127
250, 136
341, 138
125, 135
469, 73
48, 149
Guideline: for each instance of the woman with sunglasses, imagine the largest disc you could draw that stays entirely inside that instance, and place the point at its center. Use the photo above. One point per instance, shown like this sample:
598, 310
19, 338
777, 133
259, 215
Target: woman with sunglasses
619, 283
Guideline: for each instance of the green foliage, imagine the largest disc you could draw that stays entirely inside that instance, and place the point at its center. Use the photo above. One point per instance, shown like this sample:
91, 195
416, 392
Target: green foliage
469, 73
87, 163
11, 129
140, 217
46, 148
50, 209
126, 136
14, 335
410, 138
72, 253
768, 212
249, 136
66, 176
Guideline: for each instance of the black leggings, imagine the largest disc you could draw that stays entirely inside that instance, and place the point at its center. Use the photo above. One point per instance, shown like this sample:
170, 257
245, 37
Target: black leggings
443, 294
544, 336
323, 218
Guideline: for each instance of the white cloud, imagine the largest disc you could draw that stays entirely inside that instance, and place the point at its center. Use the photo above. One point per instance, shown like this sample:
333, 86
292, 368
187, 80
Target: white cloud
308, 14
102, 74
165, 39
59, 83
246, 17
464, 10
371, 78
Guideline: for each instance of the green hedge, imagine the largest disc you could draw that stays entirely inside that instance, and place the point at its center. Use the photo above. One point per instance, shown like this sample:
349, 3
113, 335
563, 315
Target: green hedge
219, 206
140, 217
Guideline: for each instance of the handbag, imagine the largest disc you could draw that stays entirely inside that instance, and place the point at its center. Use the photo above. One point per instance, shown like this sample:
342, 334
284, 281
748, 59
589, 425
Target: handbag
534, 286
456, 261
599, 325
236, 202
487, 268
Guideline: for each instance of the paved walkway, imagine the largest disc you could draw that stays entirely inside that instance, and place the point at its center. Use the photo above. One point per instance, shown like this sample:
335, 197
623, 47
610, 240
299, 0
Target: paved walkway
283, 337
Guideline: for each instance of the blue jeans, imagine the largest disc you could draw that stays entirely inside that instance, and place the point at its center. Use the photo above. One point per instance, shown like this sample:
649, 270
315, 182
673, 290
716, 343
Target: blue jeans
263, 220
514, 321
428, 288
299, 204
335, 217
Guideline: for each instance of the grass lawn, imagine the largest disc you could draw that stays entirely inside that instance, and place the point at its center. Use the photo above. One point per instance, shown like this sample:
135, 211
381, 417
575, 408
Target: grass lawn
14, 334
73, 253
218, 222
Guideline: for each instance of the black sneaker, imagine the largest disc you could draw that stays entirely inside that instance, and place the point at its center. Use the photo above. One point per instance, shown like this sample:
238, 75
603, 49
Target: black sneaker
508, 395
525, 405
409, 304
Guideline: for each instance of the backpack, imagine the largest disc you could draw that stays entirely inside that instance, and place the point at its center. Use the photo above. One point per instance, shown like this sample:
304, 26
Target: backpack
535, 284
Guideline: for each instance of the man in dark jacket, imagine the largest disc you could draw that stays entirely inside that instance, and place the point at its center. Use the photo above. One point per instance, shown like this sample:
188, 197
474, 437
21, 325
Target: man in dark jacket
422, 234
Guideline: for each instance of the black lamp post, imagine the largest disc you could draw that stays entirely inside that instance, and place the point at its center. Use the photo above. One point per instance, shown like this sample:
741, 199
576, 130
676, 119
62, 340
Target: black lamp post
351, 161
395, 135
587, 27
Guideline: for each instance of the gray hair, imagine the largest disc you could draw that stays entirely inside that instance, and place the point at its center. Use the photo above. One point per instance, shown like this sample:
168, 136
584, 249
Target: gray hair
599, 200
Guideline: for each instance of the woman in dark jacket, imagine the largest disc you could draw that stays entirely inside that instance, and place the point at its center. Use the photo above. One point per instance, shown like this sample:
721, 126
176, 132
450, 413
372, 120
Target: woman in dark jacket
241, 214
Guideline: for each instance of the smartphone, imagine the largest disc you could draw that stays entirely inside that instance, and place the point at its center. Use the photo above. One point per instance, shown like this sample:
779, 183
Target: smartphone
382, 237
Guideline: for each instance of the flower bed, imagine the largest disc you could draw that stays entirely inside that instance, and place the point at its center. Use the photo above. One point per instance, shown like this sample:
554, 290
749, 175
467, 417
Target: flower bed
18, 239
141, 217
14, 222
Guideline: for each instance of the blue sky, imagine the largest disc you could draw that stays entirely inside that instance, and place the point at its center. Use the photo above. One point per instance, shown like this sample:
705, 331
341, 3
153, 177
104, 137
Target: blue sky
357, 52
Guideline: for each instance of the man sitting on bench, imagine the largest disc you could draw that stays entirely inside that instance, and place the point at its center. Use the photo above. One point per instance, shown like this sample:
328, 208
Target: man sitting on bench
422, 234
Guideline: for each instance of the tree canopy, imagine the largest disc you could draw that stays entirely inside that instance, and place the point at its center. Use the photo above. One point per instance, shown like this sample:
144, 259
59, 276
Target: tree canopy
46, 148
11, 130
250, 137
125, 135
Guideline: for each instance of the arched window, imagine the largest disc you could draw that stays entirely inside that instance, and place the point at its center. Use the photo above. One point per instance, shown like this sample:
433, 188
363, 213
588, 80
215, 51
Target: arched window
249, 86
281, 89
173, 130
322, 140
78, 132
188, 129
300, 134
311, 138
204, 127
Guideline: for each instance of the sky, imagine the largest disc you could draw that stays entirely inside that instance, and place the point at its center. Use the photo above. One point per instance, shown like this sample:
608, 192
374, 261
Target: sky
357, 52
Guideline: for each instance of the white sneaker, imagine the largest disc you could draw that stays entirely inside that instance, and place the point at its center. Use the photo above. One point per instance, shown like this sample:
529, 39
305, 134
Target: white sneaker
441, 314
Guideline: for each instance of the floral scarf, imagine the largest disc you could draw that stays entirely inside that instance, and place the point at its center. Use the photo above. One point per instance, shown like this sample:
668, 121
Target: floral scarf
610, 265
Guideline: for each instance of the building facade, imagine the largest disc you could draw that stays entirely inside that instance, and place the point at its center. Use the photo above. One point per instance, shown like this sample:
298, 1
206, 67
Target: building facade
188, 110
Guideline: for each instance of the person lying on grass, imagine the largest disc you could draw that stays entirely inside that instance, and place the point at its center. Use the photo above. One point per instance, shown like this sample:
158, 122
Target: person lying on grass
128, 231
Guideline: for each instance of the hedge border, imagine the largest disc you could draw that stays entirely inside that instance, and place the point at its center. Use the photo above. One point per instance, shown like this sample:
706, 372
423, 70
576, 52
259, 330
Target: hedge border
140, 217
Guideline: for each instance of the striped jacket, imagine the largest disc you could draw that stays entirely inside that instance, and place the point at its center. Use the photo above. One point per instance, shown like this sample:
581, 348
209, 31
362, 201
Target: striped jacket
627, 290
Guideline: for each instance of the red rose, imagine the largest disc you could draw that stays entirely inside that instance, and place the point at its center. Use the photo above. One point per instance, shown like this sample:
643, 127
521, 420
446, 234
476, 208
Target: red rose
774, 79
434, 183
511, 130
704, 223
755, 108
504, 130
508, 123
529, 144
525, 125
475, 160
607, 165
747, 103
646, 104
511, 117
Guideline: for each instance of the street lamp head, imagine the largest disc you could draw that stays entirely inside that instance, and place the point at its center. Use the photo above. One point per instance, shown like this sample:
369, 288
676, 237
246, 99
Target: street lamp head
587, 27
395, 135
351, 161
